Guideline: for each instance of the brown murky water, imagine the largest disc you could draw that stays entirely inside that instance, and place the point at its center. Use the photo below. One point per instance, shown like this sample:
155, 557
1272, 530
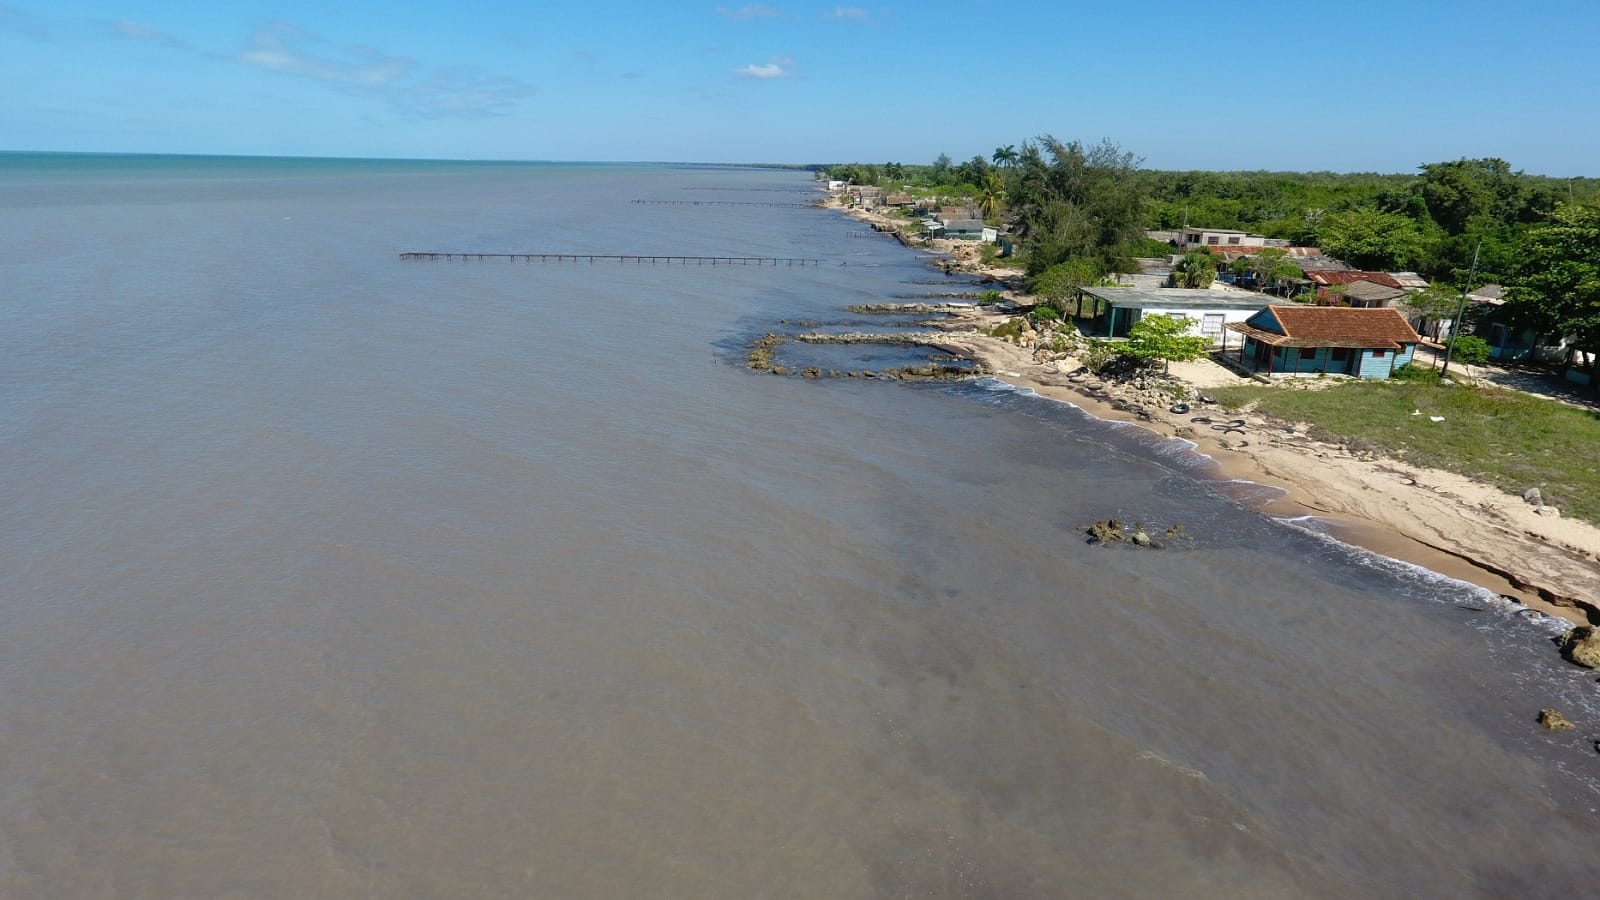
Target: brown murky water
323, 574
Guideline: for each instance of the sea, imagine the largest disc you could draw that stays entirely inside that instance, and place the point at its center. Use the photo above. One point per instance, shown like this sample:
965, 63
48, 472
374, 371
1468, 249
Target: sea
328, 573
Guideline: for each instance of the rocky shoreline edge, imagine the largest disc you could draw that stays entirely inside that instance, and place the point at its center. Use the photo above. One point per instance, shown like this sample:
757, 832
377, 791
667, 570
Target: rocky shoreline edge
1549, 567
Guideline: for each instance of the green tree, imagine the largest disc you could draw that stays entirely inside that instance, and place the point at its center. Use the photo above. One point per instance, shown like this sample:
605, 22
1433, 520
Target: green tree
1197, 269
1368, 238
1435, 304
1556, 289
1006, 156
1270, 266
1073, 201
1163, 338
991, 195
1469, 350
1062, 281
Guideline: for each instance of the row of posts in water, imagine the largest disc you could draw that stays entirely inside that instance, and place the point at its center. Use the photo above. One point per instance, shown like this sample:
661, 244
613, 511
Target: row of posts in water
624, 258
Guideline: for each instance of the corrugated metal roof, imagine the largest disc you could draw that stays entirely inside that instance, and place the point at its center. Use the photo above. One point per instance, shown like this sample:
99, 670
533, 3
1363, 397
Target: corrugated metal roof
1328, 279
1176, 298
1371, 290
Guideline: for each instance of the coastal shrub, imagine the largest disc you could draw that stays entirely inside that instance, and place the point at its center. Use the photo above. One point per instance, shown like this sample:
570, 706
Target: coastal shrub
1098, 355
1010, 330
1163, 339
1044, 314
1470, 350
991, 298
1414, 372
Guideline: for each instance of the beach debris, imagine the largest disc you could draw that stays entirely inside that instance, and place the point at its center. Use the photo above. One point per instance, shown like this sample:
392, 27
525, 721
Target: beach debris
1436, 418
1533, 497
1549, 512
1553, 720
1581, 645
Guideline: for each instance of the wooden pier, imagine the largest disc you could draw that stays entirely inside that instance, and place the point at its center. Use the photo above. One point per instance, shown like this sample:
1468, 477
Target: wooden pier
811, 205
621, 258
758, 190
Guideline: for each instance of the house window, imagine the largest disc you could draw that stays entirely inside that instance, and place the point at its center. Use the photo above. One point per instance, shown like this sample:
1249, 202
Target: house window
1233, 240
1339, 354
1213, 239
1379, 354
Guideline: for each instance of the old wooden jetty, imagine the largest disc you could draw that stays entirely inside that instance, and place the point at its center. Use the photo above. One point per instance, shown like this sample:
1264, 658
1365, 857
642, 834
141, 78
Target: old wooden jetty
727, 203
637, 259
793, 190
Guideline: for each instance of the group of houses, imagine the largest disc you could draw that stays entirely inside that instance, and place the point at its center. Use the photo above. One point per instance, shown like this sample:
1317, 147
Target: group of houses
1333, 318
1282, 338
1373, 341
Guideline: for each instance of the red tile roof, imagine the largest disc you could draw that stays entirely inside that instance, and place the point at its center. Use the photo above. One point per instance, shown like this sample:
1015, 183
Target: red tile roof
1333, 326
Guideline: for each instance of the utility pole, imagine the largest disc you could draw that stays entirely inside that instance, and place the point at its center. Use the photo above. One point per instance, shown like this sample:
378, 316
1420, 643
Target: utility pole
1455, 325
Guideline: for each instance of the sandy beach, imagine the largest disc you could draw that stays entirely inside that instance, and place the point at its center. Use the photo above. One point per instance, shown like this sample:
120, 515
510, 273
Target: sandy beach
1435, 519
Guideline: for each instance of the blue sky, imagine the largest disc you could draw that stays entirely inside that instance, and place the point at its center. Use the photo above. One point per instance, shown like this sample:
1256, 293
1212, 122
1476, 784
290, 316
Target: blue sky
1353, 86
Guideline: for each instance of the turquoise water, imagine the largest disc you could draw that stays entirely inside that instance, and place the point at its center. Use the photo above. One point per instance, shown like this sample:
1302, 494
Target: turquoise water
327, 573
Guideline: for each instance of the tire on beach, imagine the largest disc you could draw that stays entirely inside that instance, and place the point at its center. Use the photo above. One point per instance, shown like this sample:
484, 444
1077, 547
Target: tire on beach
1228, 429
1201, 420
1179, 408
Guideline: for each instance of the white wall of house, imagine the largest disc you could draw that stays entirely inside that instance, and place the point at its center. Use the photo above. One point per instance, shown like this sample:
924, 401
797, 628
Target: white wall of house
1205, 323
1193, 238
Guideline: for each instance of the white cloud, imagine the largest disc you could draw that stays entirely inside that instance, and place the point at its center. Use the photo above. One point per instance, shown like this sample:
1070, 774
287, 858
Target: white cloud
284, 48
141, 32
751, 11
776, 67
853, 13
443, 92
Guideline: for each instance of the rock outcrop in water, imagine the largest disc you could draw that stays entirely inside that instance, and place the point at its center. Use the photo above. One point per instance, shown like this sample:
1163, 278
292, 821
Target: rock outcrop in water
1581, 645
1554, 720
1111, 531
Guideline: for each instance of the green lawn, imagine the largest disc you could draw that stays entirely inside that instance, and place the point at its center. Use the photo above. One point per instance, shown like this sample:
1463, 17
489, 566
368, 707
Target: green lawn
1507, 439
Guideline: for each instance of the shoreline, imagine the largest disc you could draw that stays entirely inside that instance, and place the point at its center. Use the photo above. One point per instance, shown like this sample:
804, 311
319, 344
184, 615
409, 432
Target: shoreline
1440, 521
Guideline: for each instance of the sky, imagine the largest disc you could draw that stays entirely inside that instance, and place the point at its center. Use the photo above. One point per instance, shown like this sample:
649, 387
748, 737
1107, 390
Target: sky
1352, 86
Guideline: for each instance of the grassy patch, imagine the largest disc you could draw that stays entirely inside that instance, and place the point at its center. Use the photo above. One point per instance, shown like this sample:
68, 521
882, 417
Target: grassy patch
1504, 438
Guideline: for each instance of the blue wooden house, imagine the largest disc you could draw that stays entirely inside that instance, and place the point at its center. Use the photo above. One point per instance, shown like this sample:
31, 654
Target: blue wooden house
1334, 340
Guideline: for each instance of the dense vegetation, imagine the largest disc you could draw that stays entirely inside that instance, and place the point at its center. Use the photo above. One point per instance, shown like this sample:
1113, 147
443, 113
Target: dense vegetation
1081, 213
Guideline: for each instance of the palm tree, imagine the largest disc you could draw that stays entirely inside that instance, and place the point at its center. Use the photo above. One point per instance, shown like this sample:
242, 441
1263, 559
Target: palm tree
993, 192
1006, 156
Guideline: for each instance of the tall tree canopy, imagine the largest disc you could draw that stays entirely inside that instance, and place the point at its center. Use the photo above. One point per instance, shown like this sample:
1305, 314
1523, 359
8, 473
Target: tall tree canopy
1077, 202
1557, 286
1369, 239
